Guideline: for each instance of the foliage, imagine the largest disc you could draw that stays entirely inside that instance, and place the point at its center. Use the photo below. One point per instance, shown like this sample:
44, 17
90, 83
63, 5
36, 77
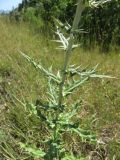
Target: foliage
37, 153
98, 112
101, 24
54, 112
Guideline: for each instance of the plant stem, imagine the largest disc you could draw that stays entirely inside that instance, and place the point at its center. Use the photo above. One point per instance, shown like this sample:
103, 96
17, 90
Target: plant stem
76, 21
67, 58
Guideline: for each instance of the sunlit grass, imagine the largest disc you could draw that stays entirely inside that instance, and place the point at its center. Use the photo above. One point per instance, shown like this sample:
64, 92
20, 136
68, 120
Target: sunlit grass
18, 79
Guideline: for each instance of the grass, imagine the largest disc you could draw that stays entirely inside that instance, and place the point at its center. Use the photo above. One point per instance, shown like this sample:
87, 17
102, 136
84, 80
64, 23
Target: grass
19, 82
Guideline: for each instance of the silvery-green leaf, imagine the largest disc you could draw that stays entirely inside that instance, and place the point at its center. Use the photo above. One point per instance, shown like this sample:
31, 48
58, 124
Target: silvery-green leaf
84, 134
80, 31
52, 92
61, 25
38, 66
100, 76
58, 75
95, 3
74, 86
35, 152
75, 46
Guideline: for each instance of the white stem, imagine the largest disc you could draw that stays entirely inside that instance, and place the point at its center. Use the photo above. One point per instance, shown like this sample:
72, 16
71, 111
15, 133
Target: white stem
79, 10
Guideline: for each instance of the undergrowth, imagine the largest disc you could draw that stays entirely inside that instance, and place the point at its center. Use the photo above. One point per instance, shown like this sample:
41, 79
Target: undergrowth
99, 110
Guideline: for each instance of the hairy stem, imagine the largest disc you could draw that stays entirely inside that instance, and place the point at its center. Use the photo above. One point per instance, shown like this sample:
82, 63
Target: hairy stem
67, 58
76, 21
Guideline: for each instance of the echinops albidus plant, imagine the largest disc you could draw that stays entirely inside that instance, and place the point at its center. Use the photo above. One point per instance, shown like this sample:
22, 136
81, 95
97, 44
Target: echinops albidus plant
56, 114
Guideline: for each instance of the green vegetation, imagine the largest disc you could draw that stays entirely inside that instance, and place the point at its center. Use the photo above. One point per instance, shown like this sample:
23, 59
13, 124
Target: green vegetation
45, 119
21, 84
57, 115
97, 22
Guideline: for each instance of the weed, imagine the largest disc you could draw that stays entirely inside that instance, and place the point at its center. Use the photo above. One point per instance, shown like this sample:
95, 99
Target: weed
54, 113
99, 99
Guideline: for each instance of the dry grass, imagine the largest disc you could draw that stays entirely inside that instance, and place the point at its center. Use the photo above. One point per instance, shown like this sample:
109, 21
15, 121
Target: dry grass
101, 98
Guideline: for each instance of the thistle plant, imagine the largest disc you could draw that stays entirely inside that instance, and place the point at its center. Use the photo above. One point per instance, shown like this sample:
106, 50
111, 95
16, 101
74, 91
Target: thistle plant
58, 115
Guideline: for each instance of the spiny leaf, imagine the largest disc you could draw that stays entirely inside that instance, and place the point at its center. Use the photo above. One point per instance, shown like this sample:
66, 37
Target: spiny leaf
37, 153
74, 86
38, 66
91, 73
32, 108
94, 3
84, 134
52, 91
64, 40
65, 26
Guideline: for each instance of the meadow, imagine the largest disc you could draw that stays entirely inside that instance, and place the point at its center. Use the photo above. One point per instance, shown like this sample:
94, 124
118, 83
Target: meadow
21, 84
